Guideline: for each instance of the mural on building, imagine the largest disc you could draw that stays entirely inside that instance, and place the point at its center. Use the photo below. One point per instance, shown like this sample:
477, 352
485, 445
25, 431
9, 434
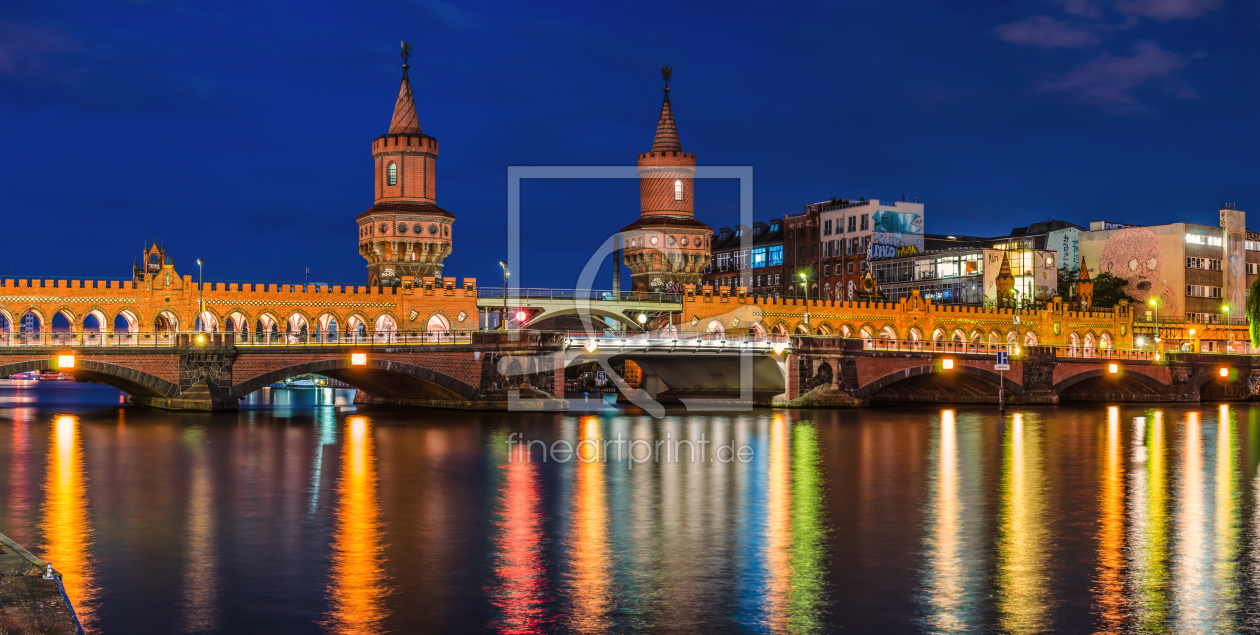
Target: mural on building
1235, 292
1134, 255
1066, 244
895, 234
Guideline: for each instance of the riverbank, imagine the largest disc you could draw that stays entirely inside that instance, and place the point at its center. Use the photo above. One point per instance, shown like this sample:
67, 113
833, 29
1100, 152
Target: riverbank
30, 604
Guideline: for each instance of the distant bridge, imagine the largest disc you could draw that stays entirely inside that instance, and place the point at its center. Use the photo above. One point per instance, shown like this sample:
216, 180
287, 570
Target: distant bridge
542, 304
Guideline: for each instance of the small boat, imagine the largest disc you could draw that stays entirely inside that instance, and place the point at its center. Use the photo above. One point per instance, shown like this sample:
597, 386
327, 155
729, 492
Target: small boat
279, 384
302, 383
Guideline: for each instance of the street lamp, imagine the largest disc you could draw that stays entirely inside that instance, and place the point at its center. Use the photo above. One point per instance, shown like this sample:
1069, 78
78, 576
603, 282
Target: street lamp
1155, 304
505, 277
805, 292
201, 301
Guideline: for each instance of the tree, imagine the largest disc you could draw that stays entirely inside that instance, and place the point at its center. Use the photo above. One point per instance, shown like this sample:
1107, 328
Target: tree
1108, 289
1253, 312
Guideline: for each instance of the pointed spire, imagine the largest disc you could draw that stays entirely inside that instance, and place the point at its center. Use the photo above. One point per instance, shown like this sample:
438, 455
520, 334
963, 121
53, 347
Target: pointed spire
666, 130
1083, 271
405, 120
1005, 270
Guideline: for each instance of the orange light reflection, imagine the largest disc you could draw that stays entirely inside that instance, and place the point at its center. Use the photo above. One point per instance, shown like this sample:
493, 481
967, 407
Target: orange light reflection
68, 534
358, 588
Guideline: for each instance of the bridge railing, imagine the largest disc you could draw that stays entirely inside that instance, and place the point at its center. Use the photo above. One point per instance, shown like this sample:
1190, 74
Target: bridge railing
215, 338
588, 294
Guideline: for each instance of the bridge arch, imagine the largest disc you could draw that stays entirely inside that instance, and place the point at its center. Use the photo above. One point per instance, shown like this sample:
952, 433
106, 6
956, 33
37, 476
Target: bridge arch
128, 380
380, 378
593, 311
1142, 378
894, 377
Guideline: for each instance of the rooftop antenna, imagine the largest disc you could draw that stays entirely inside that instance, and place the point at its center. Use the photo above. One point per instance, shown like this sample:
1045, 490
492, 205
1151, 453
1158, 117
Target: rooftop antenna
308, 275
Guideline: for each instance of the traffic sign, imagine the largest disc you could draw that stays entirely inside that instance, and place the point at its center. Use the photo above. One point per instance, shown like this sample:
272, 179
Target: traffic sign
601, 378
1003, 363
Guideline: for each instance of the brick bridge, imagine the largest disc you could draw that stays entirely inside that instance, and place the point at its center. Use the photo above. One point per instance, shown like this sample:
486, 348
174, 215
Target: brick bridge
836, 371
486, 370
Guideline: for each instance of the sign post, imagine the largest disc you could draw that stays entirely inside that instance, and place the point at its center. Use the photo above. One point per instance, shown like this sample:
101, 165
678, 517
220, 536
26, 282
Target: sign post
1002, 365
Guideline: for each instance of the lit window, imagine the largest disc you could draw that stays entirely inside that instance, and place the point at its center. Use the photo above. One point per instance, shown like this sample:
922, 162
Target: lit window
678, 190
393, 174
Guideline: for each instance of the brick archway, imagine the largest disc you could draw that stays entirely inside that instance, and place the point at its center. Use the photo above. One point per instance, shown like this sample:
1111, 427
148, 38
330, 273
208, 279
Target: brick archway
379, 378
880, 383
128, 380
1158, 386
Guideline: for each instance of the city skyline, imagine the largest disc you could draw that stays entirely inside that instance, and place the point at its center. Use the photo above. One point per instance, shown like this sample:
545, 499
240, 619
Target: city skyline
256, 160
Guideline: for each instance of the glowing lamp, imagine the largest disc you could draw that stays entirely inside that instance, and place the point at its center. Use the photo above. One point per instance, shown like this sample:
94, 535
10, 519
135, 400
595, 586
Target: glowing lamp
1017, 349
590, 345
201, 339
358, 359
65, 361
520, 316
1224, 372
947, 364
1113, 368
642, 318
779, 347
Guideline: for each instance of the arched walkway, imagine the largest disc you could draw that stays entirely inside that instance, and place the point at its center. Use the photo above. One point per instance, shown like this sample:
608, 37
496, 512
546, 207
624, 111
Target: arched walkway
380, 378
130, 381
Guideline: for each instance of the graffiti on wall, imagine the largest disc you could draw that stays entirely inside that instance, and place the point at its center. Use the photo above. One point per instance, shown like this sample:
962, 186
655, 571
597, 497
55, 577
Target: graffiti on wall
1133, 255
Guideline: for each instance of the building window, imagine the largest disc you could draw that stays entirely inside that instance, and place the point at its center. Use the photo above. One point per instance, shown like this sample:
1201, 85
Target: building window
759, 257
1202, 291
776, 278
1210, 264
678, 190
827, 228
1253, 268
774, 227
1214, 241
392, 179
853, 223
826, 249
840, 225
775, 256
850, 268
866, 218
826, 270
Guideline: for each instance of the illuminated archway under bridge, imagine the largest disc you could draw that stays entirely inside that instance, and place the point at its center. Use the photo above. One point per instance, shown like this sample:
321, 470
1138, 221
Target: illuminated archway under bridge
486, 371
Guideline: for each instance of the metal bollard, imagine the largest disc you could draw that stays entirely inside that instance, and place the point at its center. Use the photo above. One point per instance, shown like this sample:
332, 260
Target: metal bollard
48, 574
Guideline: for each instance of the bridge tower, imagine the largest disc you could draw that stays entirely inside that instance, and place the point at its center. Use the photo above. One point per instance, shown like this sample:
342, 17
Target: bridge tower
1084, 288
1005, 283
667, 247
405, 233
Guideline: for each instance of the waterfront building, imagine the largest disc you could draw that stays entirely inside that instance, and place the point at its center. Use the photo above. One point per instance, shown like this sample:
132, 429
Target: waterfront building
405, 236
667, 248
968, 275
756, 264
855, 233
1196, 274
800, 248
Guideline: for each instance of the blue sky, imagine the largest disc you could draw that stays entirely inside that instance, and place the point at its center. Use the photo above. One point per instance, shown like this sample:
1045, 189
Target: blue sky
241, 133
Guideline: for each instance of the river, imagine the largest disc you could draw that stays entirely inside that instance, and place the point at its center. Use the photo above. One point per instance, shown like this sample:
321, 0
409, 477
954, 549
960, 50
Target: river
304, 514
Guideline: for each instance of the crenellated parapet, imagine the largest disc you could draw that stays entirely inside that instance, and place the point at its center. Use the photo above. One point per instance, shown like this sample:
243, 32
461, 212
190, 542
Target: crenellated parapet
707, 309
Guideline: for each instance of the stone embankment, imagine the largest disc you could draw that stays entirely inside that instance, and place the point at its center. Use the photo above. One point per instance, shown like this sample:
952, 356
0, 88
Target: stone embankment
30, 604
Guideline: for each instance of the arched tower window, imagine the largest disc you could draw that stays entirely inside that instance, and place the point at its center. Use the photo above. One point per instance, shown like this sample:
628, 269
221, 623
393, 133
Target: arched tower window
678, 190
393, 174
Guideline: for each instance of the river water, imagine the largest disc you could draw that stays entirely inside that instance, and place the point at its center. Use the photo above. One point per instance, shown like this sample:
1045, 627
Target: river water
304, 514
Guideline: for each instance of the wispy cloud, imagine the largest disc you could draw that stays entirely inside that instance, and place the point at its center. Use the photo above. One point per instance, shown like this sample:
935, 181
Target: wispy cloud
1164, 10
1110, 81
1047, 32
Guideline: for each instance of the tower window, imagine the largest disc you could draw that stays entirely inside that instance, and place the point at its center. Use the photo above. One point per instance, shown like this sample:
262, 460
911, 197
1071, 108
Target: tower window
678, 190
393, 174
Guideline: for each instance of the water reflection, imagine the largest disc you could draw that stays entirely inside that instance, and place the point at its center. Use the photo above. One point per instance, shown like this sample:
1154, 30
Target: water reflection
590, 578
807, 601
1109, 585
359, 588
1023, 539
1148, 530
68, 529
953, 559
520, 589
200, 602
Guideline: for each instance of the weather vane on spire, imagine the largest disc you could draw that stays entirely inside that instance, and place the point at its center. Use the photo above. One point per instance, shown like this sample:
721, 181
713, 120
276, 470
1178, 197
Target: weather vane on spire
406, 53
666, 72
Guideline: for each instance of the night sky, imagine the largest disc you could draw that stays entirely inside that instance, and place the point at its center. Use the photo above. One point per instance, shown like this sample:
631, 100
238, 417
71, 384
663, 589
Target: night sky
241, 133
